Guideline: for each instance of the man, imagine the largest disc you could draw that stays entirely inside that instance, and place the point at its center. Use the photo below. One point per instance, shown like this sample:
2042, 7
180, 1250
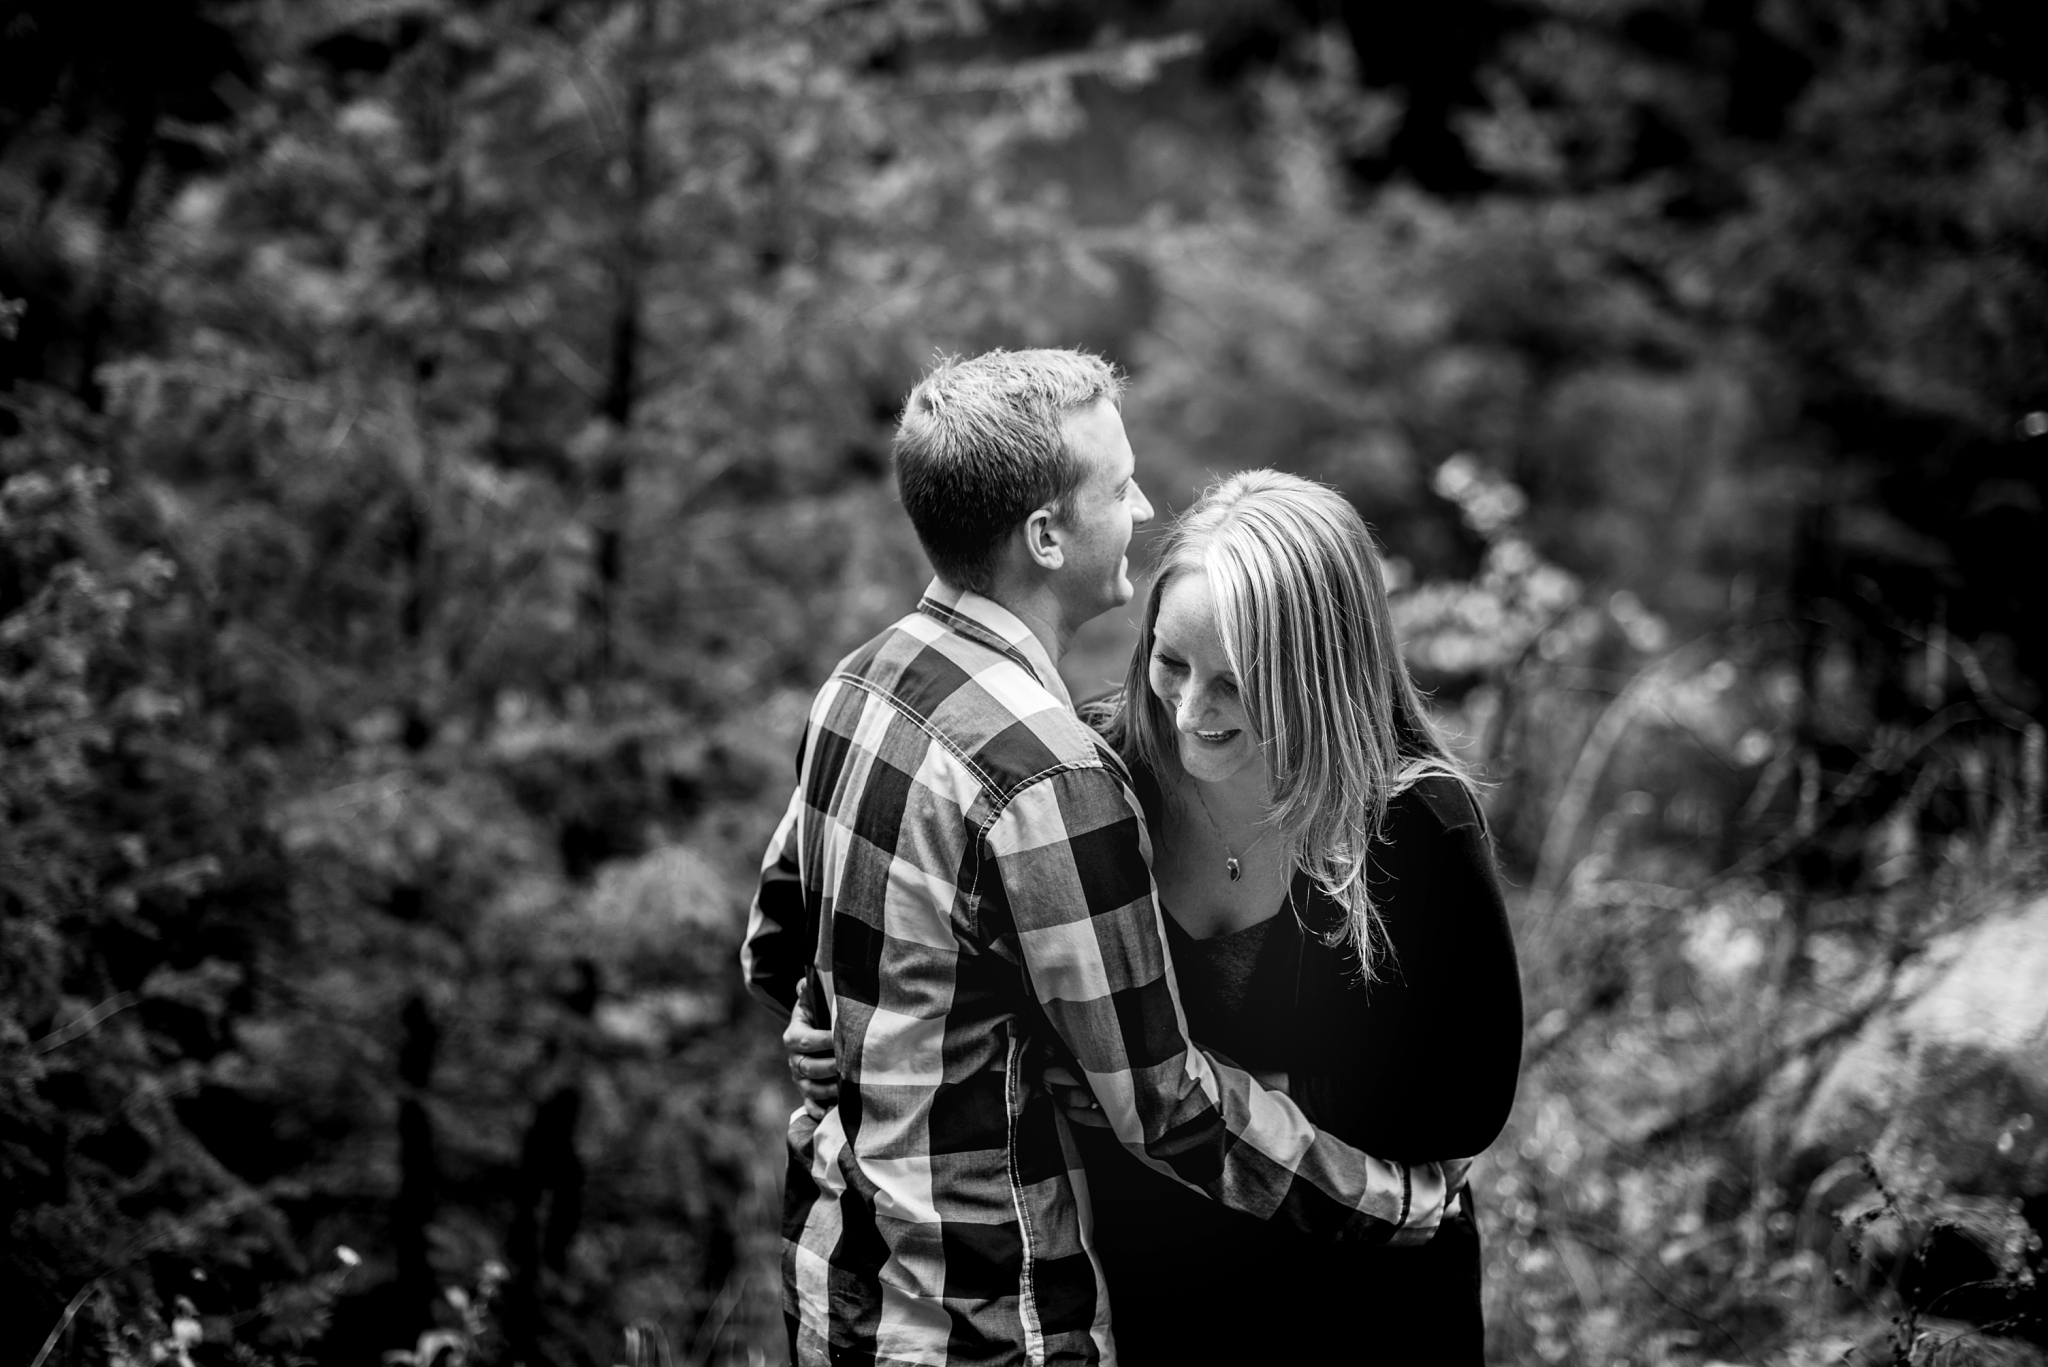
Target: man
963, 879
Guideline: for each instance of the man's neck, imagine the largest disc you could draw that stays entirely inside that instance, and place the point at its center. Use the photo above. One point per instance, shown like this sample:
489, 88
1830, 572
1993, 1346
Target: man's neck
1038, 609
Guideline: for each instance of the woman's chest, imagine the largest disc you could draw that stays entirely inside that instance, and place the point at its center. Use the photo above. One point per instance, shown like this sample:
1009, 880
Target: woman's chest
1202, 895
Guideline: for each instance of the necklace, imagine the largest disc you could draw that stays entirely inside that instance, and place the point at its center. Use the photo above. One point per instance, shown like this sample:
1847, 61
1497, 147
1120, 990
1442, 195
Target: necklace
1231, 865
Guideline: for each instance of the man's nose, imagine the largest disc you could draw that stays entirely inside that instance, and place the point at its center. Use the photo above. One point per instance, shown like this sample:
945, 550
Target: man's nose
1142, 513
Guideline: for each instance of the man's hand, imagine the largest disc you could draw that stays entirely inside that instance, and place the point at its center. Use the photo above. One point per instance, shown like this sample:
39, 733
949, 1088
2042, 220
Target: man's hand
812, 1064
1080, 1104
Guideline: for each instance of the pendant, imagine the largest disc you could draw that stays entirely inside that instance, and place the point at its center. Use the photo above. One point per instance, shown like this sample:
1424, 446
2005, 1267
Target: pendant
1231, 865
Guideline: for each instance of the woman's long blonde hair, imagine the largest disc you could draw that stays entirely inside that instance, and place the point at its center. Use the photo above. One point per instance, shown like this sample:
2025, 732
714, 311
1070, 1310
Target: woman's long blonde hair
1302, 609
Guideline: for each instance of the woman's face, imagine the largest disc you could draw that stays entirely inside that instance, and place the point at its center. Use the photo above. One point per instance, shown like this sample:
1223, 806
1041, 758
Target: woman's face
1190, 674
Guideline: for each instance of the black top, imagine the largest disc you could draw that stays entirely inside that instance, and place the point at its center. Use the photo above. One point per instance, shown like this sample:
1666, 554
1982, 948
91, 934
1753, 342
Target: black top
1224, 982
1419, 1064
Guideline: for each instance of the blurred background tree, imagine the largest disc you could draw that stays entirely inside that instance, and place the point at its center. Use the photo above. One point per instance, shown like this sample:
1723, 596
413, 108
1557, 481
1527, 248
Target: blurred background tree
443, 444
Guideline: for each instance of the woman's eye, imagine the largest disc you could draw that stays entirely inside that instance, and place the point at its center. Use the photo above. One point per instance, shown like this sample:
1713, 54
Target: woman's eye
1171, 666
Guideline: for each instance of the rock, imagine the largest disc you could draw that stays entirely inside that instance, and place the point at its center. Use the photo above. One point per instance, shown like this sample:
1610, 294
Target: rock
1949, 1082
1871, 1341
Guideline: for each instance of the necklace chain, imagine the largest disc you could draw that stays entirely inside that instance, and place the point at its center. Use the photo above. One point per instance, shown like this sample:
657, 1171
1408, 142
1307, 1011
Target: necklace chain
1231, 866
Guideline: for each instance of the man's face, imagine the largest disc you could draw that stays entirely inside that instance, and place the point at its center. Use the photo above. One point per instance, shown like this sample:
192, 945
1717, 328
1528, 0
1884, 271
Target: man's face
1104, 509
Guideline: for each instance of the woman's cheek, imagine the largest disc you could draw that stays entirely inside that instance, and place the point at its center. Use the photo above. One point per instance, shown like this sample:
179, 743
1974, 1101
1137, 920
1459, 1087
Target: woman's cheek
1158, 686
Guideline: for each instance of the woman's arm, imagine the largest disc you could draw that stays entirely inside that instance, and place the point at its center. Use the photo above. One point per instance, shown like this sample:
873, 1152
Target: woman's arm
1425, 1060
776, 953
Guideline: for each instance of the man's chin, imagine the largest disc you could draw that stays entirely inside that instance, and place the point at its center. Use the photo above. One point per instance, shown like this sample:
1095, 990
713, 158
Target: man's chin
1112, 598
1108, 597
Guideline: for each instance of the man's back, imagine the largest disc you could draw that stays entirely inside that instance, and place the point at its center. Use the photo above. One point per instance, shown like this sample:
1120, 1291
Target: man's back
913, 1233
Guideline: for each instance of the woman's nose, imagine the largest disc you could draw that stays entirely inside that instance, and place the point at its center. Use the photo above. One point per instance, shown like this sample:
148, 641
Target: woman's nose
1187, 715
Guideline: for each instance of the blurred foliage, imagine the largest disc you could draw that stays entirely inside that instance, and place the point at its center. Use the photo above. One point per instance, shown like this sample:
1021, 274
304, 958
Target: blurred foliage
442, 446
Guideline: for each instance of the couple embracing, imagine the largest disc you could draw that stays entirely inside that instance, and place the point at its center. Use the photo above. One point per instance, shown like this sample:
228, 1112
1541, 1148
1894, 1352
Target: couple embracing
1157, 1032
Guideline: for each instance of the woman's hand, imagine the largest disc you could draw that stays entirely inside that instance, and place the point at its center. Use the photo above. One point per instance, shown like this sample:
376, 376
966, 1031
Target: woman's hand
1074, 1098
813, 1067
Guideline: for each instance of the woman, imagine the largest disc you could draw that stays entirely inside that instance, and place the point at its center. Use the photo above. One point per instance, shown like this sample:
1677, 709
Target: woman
1335, 927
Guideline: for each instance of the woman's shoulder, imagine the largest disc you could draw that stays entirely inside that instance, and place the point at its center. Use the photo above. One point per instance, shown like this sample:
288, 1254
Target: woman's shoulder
1434, 802
1104, 715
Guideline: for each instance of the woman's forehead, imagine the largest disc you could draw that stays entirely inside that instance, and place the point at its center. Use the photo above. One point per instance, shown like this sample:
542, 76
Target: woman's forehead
1187, 611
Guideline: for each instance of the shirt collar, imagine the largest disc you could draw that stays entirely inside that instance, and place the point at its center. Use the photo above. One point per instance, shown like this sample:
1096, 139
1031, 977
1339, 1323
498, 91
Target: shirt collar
971, 614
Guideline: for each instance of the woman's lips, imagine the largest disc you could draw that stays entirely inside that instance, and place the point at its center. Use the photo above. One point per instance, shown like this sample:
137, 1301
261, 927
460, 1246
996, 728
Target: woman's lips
1215, 737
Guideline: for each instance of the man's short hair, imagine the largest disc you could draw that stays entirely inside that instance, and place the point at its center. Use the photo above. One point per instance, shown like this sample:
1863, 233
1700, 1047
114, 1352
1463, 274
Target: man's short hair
979, 449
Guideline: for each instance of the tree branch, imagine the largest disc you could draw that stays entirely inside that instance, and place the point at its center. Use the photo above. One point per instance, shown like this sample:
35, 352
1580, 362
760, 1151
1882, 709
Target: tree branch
64, 1321
86, 1023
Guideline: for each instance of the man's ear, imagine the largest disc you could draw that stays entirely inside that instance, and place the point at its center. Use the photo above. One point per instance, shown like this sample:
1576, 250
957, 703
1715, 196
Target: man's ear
1042, 540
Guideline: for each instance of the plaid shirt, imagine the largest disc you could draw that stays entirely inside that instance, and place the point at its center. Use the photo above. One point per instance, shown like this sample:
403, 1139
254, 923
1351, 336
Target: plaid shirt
964, 875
